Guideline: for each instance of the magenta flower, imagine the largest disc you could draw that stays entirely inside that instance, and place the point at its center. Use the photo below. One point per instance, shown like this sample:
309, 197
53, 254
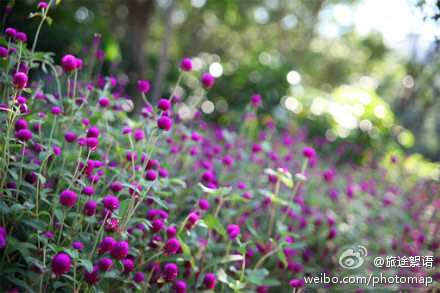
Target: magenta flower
91, 277
104, 102
170, 273
207, 80
93, 132
296, 283
171, 232
68, 198
171, 247
90, 208
70, 137
116, 186
138, 277
308, 153
105, 264
256, 100
209, 281
20, 80
150, 175
111, 225
92, 143
192, 220
128, 265
143, 86
3, 52
69, 63
42, 5
23, 135
164, 104
204, 205
179, 287
233, 231
107, 244
77, 245
164, 123
110, 202
10, 32
120, 250
61, 264
21, 37
186, 64
88, 190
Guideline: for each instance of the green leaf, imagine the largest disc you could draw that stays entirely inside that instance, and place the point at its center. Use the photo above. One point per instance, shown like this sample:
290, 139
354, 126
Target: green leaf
4, 207
185, 247
207, 189
49, 20
87, 264
225, 259
177, 181
16, 207
211, 221
58, 2
236, 197
123, 206
34, 224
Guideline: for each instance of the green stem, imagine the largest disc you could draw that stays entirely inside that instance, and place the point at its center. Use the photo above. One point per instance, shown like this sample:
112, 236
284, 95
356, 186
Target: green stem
21, 171
61, 228
272, 214
51, 132
176, 86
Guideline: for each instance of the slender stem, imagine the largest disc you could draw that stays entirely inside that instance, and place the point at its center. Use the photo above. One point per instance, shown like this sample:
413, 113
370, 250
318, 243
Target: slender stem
272, 214
21, 171
51, 132
43, 18
98, 236
61, 228
176, 86
132, 154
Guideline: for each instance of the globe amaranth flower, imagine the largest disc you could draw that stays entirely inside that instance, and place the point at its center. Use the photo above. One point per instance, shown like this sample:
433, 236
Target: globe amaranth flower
256, 100
191, 221
88, 190
164, 104
233, 231
162, 173
207, 80
186, 64
138, 277
77, 245
48, 234
56, 110
164, 123
90, 208
296, 283
111, 225
70, 137
120, 250
126, 131
110, 202
128, 266
150, 175
171, 247
21, 37
138, 135
61, 264
179, 287
104, 102
116, 186
91, 277
79, 65
171, 232
23, 135
308, 153
143, 86
204, 205
88, 168
20, 80
42, 5
93, 132
208, 176
69, 63
68, 198
209, 281
106, 244
170, 273
3, 52
157, 225
105, 264
10, 32
92, 143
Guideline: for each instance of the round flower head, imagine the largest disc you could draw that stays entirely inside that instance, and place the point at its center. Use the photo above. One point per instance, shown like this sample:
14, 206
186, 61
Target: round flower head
186, 64
88, 190
93, 132
10, 32
55, 110
204, 205
164, 123
171, 232
120, 250
104, 102
3, 52
70, 137
209, 281
116, 186
105, 264
107, 244
56, 150
150, 175
170, 273
157, 225
79, 64
77, 245
308, 153
138, 277
164, 104
163, 173
21, 37
92, 143
48, 235
256, 100
207, 80
128, 266
42, 5
296, 283
127, 130
20, 80
111, 225
90, 208
171, 247
143, 86
61, 264
110, 202
23, 135
69, 63
179, 287
192, 220
68, 198
233, 231
208, 176
91, 277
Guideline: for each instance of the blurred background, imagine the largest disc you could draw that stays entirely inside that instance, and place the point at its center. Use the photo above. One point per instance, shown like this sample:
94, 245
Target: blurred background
363, 70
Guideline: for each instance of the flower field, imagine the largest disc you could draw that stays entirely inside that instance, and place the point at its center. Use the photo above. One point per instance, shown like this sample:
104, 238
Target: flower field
94, 199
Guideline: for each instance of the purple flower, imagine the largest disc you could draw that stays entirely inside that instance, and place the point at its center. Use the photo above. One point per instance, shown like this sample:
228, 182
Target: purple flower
107, 244
209, 281
120, 250
70, 137
171, 232
20, 80
61, 264
127, 130
88, 190
157, 225
138, 277
204, 205
90, 208
92, 143
163, 173
164, 104
233, 231
104, 102
171, 247
128, 266
256, 100
105, 264
69, 63
179, 287
150, 175
77, 245
93, 132
296, 283
164, 123
116, 186
42, 5
56, 150
308, 153
186, 64
21, 37
48, 235
207, 80
192, 220
3, 52
68, 198
24, 134
110, 202
10, 32
111, 225
91, 277
143, 86
55, 110
138, 135
170, 273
